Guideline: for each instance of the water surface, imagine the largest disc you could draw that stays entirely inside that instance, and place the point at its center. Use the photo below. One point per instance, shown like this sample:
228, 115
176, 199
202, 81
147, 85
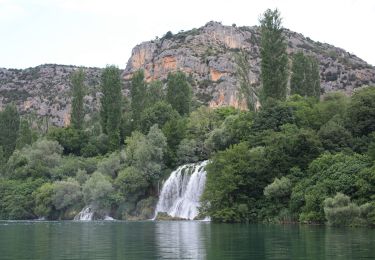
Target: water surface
180, 240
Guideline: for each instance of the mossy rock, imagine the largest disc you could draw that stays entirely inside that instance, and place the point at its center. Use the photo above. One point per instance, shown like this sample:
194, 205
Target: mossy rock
163, 216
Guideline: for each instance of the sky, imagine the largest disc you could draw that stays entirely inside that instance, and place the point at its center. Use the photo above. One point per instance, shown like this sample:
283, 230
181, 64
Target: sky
97, 33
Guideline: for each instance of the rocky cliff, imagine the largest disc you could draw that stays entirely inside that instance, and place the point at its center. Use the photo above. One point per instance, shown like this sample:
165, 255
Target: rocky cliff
44, 91
207, 54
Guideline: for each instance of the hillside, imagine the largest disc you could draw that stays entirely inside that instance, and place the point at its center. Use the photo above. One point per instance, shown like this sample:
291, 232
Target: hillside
45, 91
206, 54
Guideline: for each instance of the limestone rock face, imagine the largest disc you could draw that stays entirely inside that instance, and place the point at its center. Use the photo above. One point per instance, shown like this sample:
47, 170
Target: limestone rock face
44, 91
207, 54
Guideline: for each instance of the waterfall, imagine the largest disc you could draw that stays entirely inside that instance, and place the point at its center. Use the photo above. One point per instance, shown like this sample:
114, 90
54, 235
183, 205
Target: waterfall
181, 192
86, 213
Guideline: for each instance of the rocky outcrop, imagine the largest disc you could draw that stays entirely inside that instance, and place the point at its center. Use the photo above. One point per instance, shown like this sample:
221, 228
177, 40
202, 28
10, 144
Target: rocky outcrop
44, 91
207, 54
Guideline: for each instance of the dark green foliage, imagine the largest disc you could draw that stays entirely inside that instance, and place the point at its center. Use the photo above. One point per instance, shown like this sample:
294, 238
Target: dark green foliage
110, 112
97, 191
335, 137
272, 116
146, 153
361, 112
25, 135
138, 97
159, 113
179, 92
131, 183
339, 211
274, 70
175, 131
371, 147
155, 93
311, 114
2, 161
326, 176
34, 161
78, 92
71, 139
291, 147
234, 129
97, 145
66, 194
236, 178
43, 200
305, 80
247, 89
9, 126
16, 200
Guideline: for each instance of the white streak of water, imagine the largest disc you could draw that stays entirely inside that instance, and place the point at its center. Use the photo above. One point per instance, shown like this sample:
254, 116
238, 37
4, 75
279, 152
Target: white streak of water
181, 192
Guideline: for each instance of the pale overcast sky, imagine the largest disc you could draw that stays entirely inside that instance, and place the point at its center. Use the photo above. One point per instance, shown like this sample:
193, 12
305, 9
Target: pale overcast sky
96, 33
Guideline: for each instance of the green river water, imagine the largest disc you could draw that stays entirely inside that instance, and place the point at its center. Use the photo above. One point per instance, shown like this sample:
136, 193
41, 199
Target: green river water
180, 240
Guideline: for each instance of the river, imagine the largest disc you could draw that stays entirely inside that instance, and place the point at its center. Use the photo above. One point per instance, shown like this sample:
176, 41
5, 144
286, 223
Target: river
180, 240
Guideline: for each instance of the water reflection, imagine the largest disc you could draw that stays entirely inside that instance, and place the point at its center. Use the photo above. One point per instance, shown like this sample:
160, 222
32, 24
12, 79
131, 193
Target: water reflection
181, 239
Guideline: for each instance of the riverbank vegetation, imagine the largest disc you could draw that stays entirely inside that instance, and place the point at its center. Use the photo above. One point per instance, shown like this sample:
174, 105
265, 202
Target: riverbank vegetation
294, 156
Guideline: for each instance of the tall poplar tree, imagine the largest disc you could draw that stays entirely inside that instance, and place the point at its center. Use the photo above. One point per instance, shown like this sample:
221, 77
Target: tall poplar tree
110, 112
138, 97
305, 80
78, 92
274, 60
9, 126
179, 92
247, 89
25, 135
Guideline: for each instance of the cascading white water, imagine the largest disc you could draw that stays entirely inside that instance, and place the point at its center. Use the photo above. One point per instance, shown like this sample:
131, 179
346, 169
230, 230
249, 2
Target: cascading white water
86, 213
181, 192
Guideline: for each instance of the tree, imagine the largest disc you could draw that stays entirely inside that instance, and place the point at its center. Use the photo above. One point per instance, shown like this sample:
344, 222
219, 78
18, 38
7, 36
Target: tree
2, 160
43, 200
339, 211
326, 176
334, 137
66, 194
273, 116
131, 183
71, 139
97, 191
361, 112
25, 136
155, 92
146, 153
274, 71
159, 113
78, 92
179, 92
9, 126
34, 161
138, 97
291, 147
305, 80
236, 178
111, 105
278, 189
247, 89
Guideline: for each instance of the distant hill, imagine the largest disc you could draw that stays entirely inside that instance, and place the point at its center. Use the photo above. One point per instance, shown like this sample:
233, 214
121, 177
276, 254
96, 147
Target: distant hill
206, 54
